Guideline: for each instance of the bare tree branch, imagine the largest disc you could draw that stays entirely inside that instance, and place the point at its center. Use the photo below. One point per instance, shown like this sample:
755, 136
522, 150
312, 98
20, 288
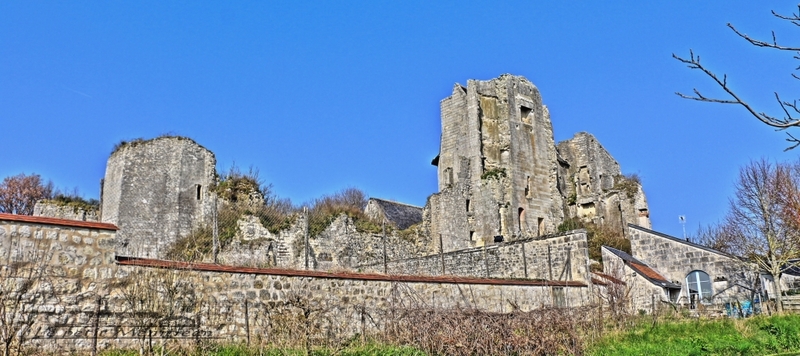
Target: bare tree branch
788, 121
694, 63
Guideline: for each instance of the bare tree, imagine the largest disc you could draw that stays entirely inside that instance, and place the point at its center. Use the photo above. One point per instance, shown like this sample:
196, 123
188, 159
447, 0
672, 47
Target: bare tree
788, 118
757, 222
19, 193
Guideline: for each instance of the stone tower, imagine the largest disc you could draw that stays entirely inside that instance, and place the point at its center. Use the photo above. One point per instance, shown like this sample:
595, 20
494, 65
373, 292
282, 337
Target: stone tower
157, 191
497, 166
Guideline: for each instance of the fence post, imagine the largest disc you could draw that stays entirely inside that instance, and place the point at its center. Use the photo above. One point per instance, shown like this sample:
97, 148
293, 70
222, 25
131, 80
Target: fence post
96, 325
247, 321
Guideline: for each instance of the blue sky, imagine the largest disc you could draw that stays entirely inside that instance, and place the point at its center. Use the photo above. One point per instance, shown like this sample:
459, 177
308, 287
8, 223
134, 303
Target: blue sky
321, 96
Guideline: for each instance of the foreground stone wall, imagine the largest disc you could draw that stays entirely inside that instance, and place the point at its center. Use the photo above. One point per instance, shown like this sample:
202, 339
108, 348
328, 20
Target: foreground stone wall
82, 297
555, 258
58, 268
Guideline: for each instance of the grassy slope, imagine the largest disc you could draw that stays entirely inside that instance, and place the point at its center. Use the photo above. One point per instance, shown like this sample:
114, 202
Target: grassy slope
756, 336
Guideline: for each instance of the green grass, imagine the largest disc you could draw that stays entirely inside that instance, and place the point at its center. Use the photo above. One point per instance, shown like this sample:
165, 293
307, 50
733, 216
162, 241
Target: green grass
777, 335
756, 336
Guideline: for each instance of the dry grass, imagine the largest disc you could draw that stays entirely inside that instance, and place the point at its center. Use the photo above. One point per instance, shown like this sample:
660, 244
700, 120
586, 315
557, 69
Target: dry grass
547, 331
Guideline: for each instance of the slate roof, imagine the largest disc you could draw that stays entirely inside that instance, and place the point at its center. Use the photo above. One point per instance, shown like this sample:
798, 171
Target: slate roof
643, 269
398, 214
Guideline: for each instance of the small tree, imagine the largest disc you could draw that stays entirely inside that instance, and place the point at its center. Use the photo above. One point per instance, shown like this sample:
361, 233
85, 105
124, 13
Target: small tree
789, 109
757, 225
19, 193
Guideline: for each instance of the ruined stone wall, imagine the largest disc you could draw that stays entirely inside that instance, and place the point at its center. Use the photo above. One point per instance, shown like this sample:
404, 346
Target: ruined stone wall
675, 259
157, 191
595, 189
54, 209
339, 247
497, 165
556, 258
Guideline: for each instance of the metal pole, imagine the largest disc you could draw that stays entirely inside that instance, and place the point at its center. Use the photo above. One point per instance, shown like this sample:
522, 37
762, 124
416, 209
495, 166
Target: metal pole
215, 243
485, 261
385, 265
305, 211
524, 261
441, 252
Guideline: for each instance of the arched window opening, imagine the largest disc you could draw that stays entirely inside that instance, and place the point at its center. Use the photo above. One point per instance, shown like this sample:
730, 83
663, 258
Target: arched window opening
699, 288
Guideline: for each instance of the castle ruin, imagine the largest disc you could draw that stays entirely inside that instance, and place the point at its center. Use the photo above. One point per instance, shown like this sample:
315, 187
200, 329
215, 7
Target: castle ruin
157, 191
502, 177
494, 229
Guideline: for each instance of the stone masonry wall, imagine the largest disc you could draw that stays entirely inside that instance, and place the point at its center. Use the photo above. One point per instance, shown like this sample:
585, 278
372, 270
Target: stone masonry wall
156, 191
595, 189
675, 258
69, 265
556, 258
497, 165
83, 297
641, 293
54, 209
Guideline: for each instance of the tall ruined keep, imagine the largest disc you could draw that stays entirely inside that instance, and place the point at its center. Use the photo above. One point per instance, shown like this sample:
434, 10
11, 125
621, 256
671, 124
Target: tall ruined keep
502, 177
498, 169
157, 191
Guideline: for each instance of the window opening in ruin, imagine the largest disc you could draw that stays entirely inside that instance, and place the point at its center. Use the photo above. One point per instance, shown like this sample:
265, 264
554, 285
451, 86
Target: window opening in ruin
559, 299
698, 285
199, 187
524, 114
469, 207
502, 219
528, 187
540, 225
472, 235
520, 219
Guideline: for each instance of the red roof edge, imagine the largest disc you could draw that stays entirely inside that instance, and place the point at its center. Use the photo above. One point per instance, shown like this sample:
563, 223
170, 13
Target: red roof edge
57, 222
210, 267
609, 278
